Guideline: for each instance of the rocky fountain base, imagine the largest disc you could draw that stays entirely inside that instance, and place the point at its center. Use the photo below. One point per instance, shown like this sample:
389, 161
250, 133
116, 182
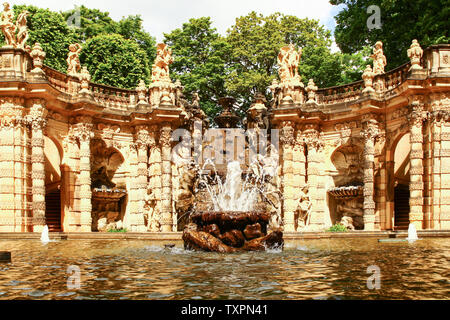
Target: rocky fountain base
228, 232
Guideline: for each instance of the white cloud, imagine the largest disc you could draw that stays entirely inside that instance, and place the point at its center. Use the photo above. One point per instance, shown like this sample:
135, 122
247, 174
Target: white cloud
163, 16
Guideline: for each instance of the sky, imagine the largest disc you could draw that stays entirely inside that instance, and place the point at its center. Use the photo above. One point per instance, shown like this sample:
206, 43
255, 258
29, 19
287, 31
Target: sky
163, 16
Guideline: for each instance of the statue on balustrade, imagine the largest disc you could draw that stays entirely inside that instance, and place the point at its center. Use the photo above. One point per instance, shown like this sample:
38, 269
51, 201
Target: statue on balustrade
7, 25
22, 34
9, 28
288, 61
379, 59
160, 70
73, 59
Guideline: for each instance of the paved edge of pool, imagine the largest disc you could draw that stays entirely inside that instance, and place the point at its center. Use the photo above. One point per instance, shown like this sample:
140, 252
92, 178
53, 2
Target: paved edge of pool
174, 236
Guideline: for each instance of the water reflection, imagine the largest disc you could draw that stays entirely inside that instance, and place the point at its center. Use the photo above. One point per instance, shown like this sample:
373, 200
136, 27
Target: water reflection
308, 269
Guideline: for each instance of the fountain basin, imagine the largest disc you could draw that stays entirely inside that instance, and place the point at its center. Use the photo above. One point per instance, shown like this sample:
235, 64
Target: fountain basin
231, 231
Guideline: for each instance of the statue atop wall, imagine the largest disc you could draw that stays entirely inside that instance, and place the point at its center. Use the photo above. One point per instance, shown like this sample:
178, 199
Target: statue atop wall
73, 59
379, 59
288, 61
9, 28
160, 70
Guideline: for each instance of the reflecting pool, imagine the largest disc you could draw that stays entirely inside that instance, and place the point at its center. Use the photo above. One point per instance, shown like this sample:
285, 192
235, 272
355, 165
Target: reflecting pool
306, 269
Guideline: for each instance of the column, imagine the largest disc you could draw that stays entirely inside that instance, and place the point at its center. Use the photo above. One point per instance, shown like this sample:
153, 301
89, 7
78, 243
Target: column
416, 185
20, 186
299, 166
436, 128
84, 134
142, 143
316, 185
38, 122
166, 178
154, 175
289, 194
369, 132
6, 173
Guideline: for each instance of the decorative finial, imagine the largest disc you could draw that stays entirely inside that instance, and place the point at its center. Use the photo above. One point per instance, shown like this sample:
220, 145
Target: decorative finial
415, 53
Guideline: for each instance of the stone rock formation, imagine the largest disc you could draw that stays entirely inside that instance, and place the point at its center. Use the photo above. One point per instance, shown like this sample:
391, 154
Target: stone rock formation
228, 232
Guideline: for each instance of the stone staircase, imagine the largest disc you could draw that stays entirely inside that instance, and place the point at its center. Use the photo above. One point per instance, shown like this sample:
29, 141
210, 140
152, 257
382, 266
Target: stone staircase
401, 207
53, 211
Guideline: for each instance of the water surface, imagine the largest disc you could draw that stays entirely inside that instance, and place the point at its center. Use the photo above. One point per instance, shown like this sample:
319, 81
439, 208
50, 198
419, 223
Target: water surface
306, 269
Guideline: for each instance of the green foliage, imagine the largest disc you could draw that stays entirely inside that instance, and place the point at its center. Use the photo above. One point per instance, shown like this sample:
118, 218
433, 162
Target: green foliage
51, 31
114, 60
118, 230
337, 228
200, 61
402, 21
255, 42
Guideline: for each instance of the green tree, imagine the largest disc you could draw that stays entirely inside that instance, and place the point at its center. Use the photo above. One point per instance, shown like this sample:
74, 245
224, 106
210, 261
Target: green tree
402, 21
200, 61
256, 41
51, 31
114, 60
94, 22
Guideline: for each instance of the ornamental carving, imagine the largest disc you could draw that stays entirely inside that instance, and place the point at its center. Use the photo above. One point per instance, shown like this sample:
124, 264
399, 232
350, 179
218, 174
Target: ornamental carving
16, 34
415, 53
287, 133
73, 59
165, 138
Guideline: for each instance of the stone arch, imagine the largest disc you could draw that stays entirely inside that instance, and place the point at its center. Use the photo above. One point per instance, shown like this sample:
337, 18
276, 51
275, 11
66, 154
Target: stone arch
398, 179
108, 182
345, 200
54, 185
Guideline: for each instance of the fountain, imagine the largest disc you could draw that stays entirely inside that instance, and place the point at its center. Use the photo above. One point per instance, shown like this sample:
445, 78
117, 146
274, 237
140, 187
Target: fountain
234, 221
44, 235
233, 224
412, 233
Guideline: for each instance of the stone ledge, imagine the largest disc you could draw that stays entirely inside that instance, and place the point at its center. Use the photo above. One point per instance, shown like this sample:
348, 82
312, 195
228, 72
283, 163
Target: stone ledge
177, 236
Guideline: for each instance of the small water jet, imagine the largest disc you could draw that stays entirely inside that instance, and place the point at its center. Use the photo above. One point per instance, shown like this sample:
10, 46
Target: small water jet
44, 235
412, 233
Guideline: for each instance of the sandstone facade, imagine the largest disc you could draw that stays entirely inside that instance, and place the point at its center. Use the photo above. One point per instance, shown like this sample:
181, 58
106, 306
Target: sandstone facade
82, 157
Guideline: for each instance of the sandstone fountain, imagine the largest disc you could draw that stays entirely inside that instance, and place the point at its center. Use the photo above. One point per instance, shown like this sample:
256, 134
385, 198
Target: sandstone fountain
235, 221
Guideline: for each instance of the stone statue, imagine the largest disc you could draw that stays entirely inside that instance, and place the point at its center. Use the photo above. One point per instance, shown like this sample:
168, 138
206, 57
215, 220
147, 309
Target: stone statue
21, 25
351, 212
288, 61
7, 25
379, 59
415, 53
73, 59
303, 208
160, 70
152, 212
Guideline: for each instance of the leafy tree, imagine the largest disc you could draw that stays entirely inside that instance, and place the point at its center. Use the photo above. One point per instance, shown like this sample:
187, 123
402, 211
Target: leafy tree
114, 60
402, 21
94, 22
51, 31
256, 40
200, 61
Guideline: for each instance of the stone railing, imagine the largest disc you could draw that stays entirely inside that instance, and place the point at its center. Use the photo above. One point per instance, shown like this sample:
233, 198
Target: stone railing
57, 79
113, 98
107, 96
340, 94
394, 78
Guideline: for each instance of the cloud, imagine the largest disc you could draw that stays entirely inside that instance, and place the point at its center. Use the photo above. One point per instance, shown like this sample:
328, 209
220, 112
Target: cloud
163, 16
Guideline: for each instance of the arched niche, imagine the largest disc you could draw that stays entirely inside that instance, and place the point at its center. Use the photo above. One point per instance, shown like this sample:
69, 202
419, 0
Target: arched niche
109, 187
52, 158
347, 160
